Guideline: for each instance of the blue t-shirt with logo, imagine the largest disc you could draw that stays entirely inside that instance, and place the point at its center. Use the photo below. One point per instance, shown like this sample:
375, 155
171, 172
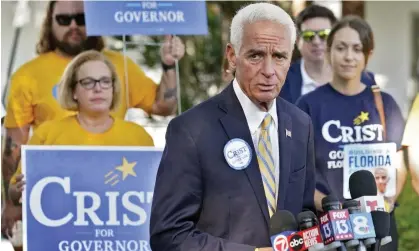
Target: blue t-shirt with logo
339, 119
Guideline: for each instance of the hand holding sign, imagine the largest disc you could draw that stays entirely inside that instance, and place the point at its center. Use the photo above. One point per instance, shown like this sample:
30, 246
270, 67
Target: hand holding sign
172, 49
15, 189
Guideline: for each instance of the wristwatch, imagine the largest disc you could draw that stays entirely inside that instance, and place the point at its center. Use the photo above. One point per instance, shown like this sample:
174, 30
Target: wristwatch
167, 67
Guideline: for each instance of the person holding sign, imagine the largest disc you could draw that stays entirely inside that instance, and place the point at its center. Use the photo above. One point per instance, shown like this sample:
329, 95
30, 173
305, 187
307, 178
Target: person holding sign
235, 159
91, 88
346, 112
33, 93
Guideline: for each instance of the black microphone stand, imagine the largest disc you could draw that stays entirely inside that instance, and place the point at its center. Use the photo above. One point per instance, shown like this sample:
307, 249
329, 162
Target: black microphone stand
376, 246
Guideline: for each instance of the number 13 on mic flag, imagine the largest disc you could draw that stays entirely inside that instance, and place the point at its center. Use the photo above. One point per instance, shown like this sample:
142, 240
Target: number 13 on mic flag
335, 226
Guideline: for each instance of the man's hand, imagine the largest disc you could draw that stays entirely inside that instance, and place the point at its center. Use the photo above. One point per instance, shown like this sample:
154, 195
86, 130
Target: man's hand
172, 49
10, 215
15, 190
265, 249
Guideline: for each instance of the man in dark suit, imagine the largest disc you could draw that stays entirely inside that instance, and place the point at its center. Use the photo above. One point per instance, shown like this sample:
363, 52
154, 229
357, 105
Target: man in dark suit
232, 161
305, 75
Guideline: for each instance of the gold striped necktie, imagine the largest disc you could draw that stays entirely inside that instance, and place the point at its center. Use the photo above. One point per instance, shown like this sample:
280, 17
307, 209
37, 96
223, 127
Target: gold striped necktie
266, 163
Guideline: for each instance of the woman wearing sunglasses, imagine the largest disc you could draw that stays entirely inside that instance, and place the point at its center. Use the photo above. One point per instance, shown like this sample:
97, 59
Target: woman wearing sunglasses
344, 111
90, 87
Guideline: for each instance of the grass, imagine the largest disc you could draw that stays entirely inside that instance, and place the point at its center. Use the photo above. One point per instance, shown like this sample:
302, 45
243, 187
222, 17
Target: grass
407, 216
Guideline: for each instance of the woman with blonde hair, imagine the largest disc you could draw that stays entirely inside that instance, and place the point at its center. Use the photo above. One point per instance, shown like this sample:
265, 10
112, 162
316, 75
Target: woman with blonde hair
91, 88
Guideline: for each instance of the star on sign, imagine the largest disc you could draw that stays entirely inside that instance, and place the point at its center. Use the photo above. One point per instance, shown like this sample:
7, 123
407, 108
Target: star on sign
364, 116
127, 168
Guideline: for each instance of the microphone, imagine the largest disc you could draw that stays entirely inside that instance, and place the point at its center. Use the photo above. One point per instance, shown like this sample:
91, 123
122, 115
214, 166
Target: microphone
362, 224
381, 222
335, 225
363, 188
282, 226
310, 230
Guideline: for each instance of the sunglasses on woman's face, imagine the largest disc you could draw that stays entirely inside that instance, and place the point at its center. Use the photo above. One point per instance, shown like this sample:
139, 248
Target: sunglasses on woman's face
65, 19
309, 35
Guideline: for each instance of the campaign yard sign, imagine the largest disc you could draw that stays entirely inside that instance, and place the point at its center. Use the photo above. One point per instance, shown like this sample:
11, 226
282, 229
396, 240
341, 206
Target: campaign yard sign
379, 159
106, 18
88, 198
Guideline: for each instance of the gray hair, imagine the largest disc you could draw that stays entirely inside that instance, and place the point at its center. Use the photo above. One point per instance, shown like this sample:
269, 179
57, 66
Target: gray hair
259, 12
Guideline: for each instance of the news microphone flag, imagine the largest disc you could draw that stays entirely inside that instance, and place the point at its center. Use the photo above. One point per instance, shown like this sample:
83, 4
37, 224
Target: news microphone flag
280, 241
297, 241
362, 225
335, 226
371, 203
311, 237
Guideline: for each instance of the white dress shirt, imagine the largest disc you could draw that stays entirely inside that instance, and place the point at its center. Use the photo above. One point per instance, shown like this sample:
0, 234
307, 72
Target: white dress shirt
254, 117
309, 84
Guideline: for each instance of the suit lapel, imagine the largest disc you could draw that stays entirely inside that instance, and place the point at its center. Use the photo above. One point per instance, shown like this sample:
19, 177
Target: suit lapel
285, 143
235, 125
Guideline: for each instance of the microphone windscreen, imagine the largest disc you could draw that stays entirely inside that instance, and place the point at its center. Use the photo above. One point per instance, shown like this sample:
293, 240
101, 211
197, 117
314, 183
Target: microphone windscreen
362, 183
381, 222
330, 202
281, 221
350, 204
305, 216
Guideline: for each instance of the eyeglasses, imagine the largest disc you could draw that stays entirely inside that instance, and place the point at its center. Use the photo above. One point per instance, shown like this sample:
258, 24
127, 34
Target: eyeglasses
309, 35
65, 19
90, 83
384, 178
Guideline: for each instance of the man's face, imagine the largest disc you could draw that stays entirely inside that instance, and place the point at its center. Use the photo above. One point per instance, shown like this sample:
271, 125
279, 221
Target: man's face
381, 178
68, 26
263, 60
312, 38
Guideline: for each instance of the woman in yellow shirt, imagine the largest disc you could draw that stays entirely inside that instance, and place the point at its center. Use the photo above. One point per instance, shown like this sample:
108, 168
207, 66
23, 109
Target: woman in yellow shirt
90, 87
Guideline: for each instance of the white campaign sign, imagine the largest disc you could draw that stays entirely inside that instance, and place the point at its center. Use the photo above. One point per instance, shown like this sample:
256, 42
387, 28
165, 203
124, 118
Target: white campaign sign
378, 158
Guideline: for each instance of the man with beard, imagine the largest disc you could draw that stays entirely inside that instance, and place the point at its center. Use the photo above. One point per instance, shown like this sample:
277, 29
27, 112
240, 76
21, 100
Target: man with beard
34, 86
313, 25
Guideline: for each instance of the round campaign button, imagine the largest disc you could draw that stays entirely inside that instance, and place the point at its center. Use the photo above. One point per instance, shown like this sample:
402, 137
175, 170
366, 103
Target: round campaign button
237, 154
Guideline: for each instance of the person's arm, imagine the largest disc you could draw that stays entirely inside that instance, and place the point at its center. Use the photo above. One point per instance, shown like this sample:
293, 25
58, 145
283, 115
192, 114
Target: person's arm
310, 185
18, 120
175, 212
166, 100
145, 94
17, 183
410, 140
15, 137
165, 103
414, 166
401, 173
395, 125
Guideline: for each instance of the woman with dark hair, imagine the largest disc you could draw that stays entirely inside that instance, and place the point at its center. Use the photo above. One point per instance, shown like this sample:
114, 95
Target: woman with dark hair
345, 111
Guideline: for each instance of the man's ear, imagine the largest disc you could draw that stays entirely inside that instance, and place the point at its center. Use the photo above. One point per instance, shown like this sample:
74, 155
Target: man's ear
231, 56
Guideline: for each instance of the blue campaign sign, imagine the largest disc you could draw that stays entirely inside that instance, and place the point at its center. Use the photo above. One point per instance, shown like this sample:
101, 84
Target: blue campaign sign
146, 17
88, 198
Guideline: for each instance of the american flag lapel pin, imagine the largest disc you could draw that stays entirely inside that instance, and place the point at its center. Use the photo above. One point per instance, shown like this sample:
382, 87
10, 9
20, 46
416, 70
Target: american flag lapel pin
288, 133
